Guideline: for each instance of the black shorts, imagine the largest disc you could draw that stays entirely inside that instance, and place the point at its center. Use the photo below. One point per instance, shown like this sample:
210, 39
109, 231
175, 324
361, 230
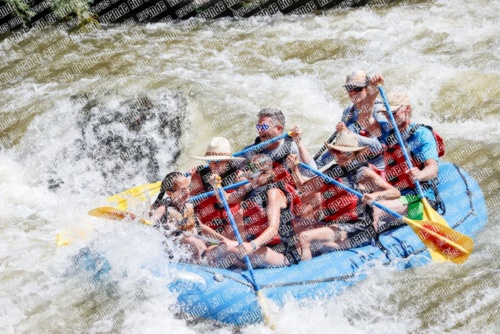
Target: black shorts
358, 233
288, 250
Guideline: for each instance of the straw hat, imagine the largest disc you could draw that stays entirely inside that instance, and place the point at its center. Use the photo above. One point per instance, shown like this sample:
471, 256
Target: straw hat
347, 142
219, 149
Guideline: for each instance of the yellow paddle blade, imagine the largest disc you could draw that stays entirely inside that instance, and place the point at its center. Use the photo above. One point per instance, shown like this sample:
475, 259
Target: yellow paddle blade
265, 310
139, 192
431, 215
451, 245
111, 213
64, 238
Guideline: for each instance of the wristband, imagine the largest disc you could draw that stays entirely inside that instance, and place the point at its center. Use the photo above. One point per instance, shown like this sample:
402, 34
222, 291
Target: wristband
254, 246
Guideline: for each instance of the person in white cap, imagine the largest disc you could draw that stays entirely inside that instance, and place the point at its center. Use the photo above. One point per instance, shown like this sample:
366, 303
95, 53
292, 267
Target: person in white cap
357, 117
220, 163
333, 218
360, 119
424, 148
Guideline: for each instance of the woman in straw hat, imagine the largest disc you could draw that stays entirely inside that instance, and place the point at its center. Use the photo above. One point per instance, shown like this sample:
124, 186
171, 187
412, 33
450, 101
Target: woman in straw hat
220, 163
334, 218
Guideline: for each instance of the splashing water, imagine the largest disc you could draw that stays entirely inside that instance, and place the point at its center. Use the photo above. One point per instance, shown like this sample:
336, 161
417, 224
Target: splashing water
145, 99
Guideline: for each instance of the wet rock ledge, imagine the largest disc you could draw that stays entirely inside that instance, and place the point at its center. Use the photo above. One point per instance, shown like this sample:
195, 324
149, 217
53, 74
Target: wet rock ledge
25, 14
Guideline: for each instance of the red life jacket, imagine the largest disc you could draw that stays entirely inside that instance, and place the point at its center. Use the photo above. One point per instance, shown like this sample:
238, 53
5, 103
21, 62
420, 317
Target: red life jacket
278, 157
439, 140
212, 214
281, 174
395, 163
209, 211
255, 212
338, 204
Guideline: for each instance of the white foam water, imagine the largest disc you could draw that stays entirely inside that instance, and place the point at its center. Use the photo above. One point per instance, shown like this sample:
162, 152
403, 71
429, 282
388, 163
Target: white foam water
198, 79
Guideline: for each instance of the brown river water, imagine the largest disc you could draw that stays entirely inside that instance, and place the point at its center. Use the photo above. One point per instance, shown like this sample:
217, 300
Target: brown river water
84, 116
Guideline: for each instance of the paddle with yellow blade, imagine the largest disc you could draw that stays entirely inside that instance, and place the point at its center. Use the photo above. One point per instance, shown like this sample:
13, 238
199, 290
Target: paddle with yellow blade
139, 192
429, 213
119, 214
148, 190
260, 297
449, 244
111, 213
64, 238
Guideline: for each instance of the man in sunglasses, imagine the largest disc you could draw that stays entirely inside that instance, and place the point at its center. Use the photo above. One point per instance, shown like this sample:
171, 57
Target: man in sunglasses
271, 123
355, 117
359, 120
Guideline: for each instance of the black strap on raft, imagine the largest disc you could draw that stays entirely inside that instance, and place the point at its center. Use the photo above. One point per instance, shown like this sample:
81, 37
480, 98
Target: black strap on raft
438, 204
469, 195
344, 278
379, 245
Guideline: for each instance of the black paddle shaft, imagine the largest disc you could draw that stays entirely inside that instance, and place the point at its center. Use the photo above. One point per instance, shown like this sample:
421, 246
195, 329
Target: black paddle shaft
323, 148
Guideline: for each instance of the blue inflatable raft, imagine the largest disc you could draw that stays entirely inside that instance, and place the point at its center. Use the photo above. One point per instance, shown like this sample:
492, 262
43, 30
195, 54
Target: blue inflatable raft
228, 297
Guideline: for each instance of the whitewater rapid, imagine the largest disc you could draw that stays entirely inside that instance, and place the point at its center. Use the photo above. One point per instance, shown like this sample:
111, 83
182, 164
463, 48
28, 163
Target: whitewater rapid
121, 106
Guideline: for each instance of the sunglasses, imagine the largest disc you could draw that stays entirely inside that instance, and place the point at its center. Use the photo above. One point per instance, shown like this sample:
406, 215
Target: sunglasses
394, 112
263, 127
254, 175
253, 171
215, 162
356, 89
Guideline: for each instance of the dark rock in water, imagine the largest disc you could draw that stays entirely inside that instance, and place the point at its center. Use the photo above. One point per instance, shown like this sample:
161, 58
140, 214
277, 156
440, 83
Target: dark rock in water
39, 13
127, 134
124, 140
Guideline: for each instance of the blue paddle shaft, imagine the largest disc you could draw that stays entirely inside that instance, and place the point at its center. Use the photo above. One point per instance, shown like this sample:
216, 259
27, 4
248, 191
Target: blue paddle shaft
400, 139
211, 193
238, 237
261, 145
352, 191
253, 148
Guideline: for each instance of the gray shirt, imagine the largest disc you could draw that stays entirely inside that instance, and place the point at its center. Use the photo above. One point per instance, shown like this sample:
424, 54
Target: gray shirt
293, 150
